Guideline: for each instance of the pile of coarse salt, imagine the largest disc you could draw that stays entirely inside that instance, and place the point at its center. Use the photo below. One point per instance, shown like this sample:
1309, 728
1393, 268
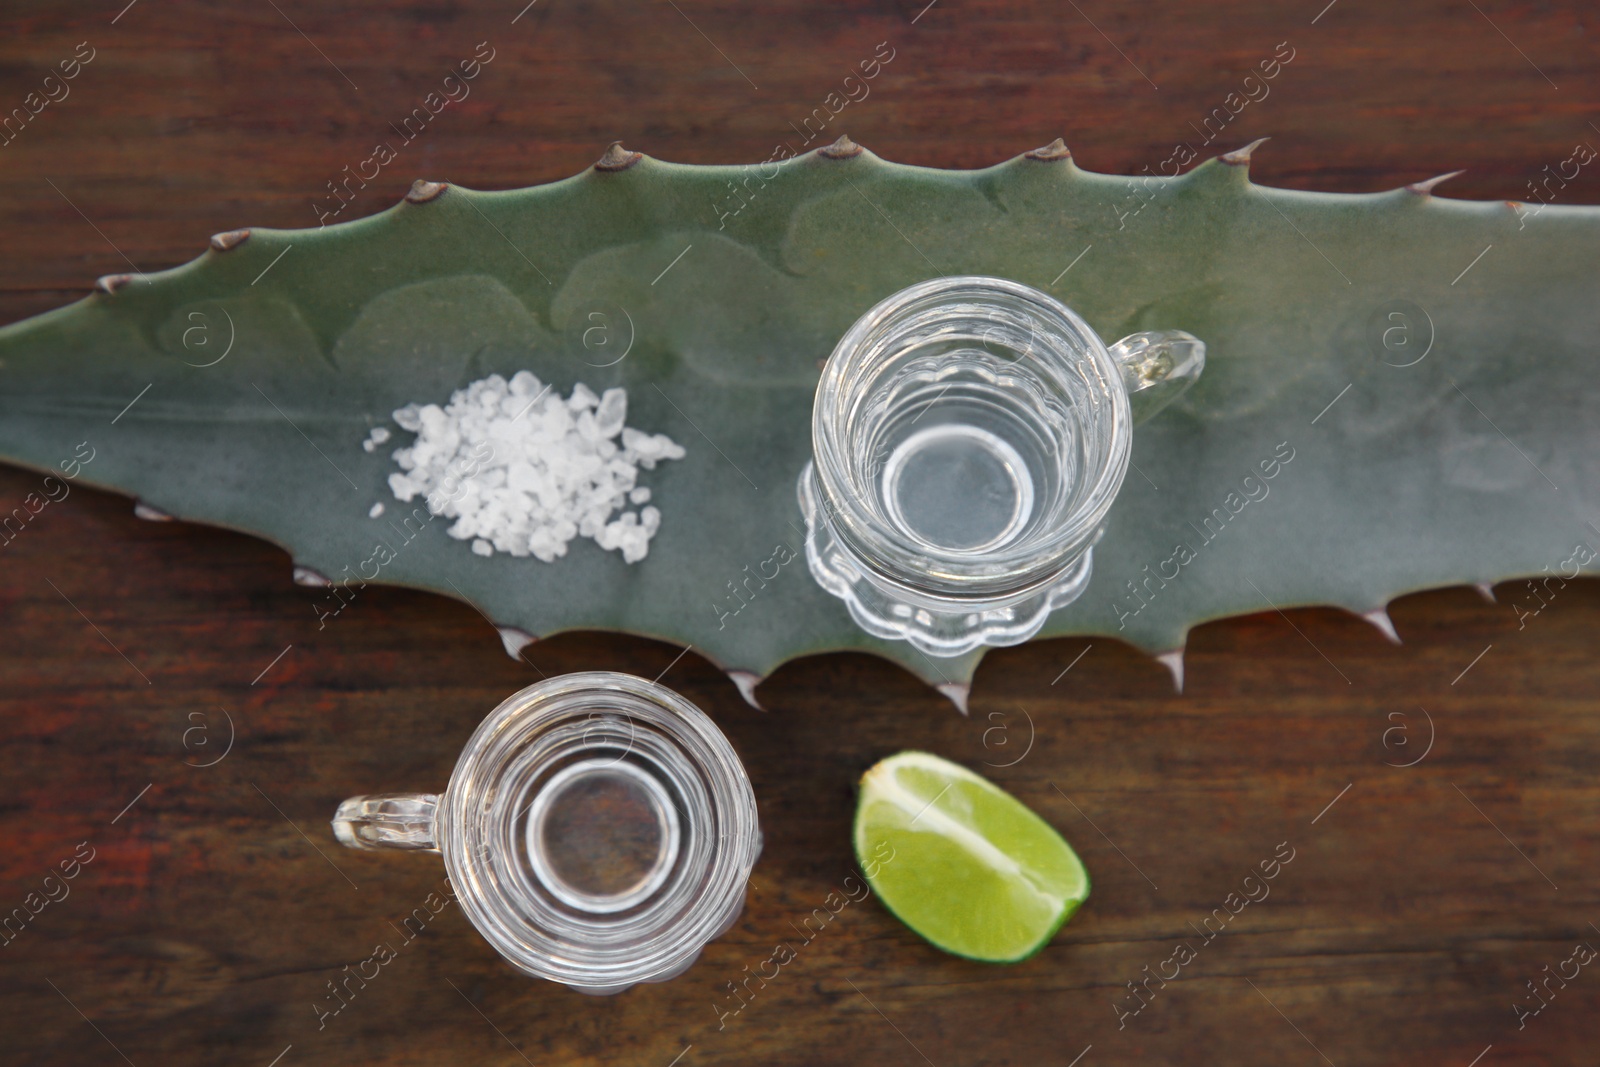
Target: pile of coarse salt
523, 471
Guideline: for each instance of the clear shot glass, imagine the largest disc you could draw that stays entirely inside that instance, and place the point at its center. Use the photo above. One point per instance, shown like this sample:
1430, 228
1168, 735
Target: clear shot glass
598, 830
968, 439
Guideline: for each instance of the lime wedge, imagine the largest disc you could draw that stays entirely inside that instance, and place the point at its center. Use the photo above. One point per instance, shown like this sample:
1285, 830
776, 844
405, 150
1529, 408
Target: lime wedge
961, 861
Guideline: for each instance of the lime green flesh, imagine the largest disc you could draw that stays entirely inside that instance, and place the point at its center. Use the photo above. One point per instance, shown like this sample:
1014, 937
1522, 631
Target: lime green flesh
962, 862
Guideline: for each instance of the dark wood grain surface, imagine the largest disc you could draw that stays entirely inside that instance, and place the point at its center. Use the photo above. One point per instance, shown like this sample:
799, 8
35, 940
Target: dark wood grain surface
215, 906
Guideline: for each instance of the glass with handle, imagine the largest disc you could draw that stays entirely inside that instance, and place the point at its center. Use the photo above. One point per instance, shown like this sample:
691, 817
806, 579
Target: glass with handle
969, 436
598, 830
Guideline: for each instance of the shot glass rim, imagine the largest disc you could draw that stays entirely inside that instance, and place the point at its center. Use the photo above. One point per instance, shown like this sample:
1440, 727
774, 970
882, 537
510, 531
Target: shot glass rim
1016, 569
492, 912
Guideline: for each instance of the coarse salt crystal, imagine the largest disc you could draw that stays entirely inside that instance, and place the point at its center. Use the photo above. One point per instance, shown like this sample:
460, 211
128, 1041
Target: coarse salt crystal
582, 397
524, 471
612, 410
407, 419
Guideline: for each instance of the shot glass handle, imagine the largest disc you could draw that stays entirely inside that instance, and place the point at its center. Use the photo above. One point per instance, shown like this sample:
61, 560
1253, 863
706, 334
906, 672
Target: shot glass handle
1158, 366
388, 821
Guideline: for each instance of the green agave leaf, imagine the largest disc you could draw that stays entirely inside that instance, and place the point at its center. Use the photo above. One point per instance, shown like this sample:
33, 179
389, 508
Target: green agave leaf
1417, 375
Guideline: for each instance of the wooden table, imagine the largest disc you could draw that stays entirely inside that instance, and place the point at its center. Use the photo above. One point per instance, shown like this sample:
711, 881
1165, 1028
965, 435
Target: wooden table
217, 907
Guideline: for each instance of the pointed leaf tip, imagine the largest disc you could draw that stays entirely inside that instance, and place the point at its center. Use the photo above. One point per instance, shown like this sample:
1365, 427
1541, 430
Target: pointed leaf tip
1050, 153
843, 148
1486, 591
1240, 157
144, 511
222, 242
1426, 188
617, 158
423, 191
515, 640
110, 283
1385, 625
957, 693
1173, 661
746, 682
310, 578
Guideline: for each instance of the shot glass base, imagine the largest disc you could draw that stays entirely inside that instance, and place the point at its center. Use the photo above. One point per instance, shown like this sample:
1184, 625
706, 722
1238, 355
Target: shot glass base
940, 628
